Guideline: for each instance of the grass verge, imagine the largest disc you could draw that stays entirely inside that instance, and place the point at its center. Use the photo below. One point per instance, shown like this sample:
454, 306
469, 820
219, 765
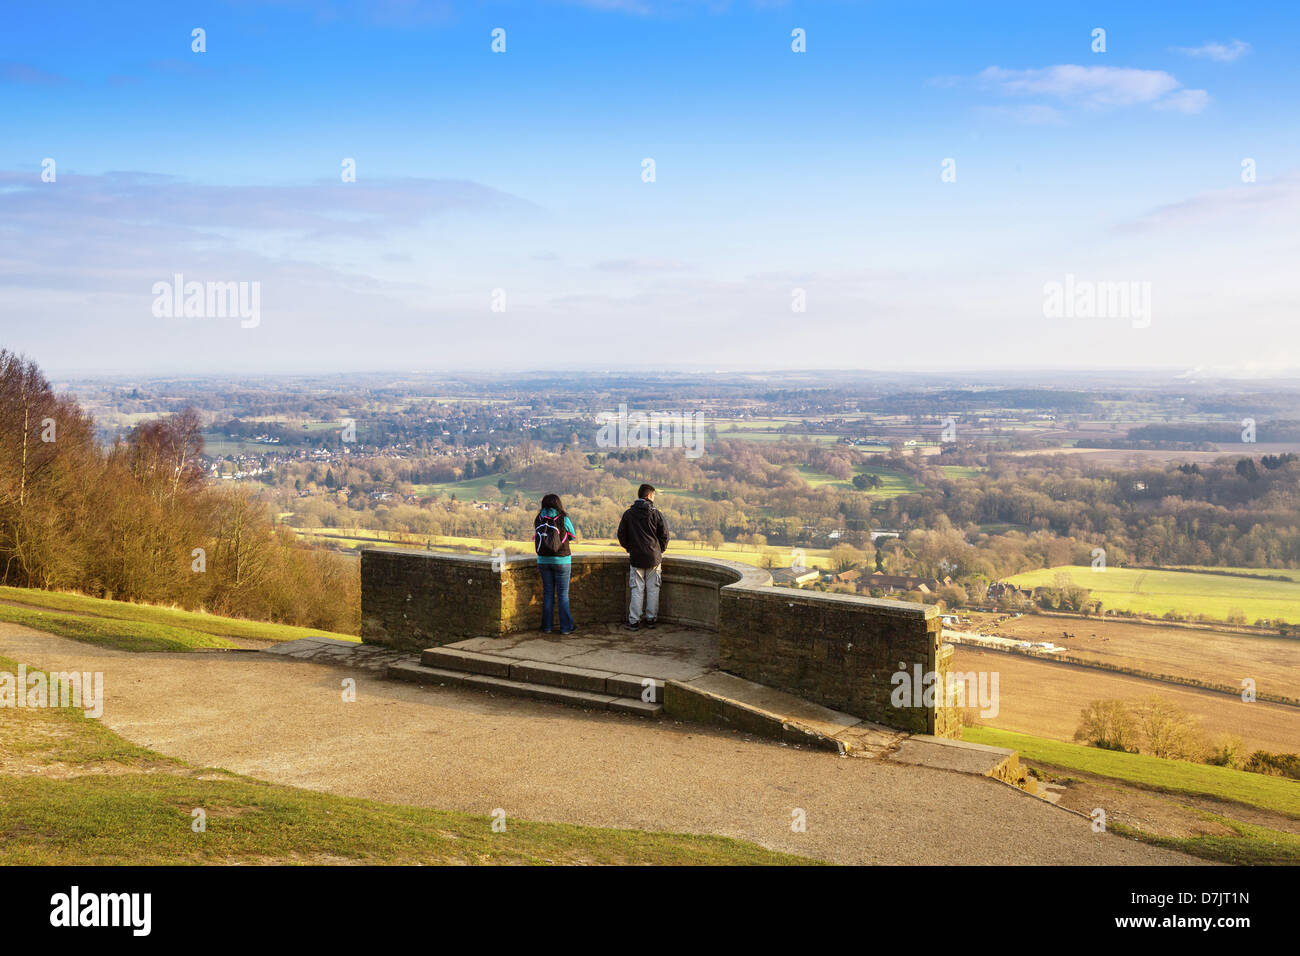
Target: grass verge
1251, 846
72, 792
192, 622
122, 635
1154, 773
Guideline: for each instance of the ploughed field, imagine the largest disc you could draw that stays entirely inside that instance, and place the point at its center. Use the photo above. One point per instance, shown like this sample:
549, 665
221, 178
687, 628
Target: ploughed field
1044, 698
1217, 657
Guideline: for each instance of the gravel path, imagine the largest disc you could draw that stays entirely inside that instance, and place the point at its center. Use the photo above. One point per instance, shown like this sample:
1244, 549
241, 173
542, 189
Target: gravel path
286, 721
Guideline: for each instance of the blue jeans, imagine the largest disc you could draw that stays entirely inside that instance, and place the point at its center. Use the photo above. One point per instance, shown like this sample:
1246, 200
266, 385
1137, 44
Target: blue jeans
555, 584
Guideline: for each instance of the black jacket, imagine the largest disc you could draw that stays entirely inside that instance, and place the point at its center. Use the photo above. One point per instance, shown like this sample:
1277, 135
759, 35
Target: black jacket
643, 533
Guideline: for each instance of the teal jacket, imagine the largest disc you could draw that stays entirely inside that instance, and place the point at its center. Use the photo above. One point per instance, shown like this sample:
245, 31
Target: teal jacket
568, 526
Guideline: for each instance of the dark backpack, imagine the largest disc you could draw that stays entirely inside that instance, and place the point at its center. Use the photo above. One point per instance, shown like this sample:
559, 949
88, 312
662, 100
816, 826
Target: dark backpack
549, 536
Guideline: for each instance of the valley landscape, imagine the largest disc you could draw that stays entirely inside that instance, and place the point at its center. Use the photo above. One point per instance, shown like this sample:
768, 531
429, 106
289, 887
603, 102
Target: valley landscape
647, 433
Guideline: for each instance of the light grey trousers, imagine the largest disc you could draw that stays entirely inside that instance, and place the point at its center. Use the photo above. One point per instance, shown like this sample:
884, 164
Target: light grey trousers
644, 585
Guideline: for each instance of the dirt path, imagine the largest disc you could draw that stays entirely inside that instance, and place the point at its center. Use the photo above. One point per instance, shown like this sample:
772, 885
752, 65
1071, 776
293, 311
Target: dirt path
286, 721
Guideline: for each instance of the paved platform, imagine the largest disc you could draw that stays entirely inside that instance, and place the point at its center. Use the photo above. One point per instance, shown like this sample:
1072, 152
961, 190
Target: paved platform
604, 667
330, 650
667, 652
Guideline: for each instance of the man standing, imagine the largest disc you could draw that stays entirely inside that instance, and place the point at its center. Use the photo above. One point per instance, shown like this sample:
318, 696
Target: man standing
643, 533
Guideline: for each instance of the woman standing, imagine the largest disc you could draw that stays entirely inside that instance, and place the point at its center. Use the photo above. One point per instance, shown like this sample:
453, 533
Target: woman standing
552, 532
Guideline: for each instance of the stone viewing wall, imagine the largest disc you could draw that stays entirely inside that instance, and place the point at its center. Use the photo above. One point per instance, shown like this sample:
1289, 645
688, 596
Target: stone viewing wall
597, 591
947, 718
841, 651
838, 650
417, 599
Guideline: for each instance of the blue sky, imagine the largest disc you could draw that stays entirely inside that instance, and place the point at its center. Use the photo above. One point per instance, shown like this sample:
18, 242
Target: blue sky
776, 171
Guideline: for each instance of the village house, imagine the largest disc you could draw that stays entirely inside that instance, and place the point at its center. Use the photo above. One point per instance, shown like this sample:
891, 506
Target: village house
794, 577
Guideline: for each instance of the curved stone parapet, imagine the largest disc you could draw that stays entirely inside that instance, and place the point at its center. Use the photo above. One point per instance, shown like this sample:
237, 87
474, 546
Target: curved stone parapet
867, 657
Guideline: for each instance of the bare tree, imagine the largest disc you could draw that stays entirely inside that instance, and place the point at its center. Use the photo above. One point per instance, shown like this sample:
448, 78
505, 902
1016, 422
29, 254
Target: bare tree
1169, 730
1108, 724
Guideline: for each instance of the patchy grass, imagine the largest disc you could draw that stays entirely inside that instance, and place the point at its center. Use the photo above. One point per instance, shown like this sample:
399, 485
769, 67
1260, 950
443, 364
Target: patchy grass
53, 739
1153, 800
1278, 794
73, 793
106, 632
190, 626
1249, 846
145, 819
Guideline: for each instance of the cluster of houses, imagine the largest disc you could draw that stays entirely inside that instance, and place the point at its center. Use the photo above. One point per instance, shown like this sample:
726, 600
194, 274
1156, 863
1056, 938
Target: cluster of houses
1000, 590
860, 581
864, 582
243, 469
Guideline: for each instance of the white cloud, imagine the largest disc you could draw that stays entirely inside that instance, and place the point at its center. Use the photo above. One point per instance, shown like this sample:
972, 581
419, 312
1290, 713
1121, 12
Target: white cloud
1096, 87
1184, 101
1254, 206
1219, 52
1091, 85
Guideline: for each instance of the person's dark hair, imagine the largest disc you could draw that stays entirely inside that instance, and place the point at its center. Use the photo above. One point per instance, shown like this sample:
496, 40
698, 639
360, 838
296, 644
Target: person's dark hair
645, 491
553, 501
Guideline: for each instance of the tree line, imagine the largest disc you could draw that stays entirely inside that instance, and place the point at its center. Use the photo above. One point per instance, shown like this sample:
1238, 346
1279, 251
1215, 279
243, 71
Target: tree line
139, 521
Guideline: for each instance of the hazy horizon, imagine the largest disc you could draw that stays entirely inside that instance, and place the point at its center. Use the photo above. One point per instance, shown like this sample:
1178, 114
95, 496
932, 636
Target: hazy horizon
955, 377
921, 188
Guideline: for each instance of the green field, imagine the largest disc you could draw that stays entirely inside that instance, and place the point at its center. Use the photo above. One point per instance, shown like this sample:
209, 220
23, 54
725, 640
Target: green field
483, 488
1214, 596
764, 429
220, 447
138, 627
893, 483
958, 472
218, 443
1247, 572
666, 492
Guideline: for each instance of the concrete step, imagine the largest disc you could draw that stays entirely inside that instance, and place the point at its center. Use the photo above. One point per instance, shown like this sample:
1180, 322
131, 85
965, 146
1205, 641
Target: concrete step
964, 757
591, 700
417, 673
543, 672
734, 702
469, 661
